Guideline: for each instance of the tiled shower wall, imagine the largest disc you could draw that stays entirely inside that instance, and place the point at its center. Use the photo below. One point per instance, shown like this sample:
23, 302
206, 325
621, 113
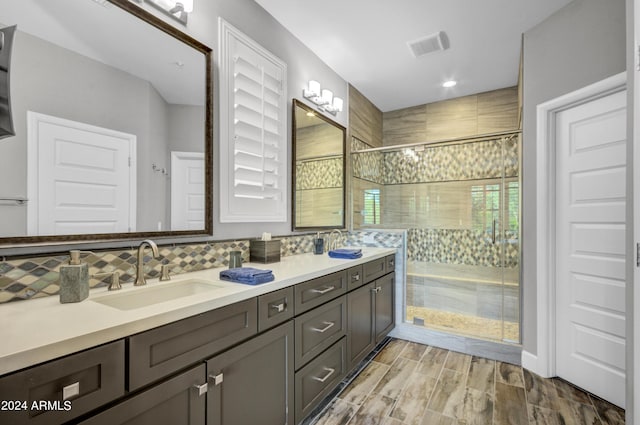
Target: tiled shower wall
427, 190
26, 278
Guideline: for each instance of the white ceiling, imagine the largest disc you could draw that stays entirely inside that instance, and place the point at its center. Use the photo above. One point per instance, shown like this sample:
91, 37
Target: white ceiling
114, 37
365, 42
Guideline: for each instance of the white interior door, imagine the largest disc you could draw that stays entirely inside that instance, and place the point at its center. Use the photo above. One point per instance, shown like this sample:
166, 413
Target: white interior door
187, 191
81, 178
590, 242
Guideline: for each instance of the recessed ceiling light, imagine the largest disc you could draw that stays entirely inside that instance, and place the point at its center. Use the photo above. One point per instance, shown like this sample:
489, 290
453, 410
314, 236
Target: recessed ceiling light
311, 114
449, 83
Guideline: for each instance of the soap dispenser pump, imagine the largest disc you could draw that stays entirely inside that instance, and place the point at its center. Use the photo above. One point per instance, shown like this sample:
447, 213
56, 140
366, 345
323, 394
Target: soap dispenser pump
74, 278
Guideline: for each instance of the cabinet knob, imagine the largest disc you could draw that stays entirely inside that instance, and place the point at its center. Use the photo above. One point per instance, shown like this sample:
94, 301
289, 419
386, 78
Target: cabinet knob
202, 389
355, 277
376, 289
217, 379
70, 391
280, 307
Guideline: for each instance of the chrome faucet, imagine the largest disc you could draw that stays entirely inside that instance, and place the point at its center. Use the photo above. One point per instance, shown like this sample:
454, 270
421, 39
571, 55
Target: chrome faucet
140, 279
333, 242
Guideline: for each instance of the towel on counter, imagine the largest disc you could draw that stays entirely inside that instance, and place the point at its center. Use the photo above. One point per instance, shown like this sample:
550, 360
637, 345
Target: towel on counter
347, 253
247, 275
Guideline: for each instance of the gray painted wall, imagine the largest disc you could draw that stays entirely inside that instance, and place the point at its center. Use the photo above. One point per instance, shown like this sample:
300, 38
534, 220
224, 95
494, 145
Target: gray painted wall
579, 45
302, 66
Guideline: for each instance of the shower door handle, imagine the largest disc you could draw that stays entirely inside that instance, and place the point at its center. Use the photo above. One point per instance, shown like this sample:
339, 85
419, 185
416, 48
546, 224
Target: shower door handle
493, 231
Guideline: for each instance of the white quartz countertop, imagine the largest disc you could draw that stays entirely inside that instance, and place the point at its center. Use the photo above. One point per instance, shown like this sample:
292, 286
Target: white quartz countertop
43, 329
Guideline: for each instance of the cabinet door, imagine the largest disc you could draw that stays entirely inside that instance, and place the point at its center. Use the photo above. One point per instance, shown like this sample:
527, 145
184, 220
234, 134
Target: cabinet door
177, 401
360, 331
384, 317
253, 382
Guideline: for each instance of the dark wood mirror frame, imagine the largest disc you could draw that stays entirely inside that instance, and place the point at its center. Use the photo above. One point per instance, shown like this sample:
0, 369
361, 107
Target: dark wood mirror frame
299, 104
148, 18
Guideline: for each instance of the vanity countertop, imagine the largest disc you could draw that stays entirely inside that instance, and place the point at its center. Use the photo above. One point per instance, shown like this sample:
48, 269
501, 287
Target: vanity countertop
43, 329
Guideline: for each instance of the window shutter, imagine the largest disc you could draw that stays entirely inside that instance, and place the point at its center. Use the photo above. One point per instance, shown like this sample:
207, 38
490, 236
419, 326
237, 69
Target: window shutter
253, 142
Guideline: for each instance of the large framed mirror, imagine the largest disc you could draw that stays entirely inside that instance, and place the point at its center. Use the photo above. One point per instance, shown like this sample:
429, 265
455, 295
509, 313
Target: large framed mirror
113, 114
318, 181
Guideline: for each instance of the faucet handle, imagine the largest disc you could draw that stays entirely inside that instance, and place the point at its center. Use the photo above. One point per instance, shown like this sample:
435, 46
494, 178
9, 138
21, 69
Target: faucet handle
115, 279
165, 273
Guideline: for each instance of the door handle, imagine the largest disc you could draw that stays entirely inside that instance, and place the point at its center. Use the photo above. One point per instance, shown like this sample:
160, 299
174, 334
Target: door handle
493, 230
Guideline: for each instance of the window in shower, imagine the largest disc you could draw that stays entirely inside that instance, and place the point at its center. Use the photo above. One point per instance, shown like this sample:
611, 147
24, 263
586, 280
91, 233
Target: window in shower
371, 210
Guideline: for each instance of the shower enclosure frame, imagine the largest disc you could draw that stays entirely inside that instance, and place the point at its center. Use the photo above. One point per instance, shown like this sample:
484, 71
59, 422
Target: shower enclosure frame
501, 350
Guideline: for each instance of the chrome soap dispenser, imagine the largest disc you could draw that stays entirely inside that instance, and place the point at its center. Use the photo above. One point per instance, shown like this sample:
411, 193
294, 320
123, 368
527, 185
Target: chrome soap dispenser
74, 279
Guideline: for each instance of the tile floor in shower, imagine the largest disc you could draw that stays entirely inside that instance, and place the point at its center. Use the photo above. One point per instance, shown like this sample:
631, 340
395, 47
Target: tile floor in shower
469, 300
413, 384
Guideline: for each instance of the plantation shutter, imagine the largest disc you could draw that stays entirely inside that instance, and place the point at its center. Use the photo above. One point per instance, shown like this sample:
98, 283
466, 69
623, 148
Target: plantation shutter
253, 145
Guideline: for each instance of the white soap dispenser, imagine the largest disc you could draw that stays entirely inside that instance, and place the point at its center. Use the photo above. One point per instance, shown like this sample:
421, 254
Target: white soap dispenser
74, 279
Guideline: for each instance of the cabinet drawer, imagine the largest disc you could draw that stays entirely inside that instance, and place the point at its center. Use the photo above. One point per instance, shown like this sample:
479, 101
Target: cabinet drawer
355, 277
275, 308
78, 383
319, 328
390, 263
314, 292
175, 401
317, 379
161, 351
374, 269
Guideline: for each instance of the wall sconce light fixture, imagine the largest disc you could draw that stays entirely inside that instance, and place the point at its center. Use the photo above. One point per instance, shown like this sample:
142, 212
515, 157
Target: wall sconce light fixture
324, 98
177, 9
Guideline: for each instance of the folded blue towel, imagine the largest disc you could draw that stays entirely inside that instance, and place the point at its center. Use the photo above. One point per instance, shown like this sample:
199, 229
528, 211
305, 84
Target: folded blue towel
347, 253
247, 275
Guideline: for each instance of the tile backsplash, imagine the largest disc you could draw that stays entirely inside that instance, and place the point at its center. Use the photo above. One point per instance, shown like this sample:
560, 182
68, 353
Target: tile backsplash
34, 277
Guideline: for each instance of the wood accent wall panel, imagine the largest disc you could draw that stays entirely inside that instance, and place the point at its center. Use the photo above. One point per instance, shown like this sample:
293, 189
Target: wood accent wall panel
473, 115
498, 110
365, 119
408, 125
452, 118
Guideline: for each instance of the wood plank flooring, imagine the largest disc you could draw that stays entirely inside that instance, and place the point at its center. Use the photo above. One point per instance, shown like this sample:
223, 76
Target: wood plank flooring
414, 384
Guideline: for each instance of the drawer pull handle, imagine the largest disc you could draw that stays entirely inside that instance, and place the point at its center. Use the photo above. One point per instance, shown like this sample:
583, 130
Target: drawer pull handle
328, 326
392, 263
202, 389
280, 307
355, 277
217, 379
377, 289
70, 391
330, 372
323, 291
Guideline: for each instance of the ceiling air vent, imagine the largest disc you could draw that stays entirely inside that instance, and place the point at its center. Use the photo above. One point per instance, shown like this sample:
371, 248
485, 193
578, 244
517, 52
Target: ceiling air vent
428, 44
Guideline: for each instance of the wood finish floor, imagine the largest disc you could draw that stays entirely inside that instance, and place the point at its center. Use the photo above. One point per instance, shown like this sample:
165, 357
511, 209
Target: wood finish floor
414, 384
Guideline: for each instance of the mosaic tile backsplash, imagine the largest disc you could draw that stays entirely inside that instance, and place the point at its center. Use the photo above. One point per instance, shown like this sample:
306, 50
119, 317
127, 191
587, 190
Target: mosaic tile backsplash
28, 278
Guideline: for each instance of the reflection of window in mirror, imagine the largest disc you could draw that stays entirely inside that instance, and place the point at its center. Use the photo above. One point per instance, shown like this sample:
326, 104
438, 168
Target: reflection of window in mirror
371, 211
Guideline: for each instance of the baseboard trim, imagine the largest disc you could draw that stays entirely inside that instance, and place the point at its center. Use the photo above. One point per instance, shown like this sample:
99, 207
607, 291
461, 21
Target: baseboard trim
530, 361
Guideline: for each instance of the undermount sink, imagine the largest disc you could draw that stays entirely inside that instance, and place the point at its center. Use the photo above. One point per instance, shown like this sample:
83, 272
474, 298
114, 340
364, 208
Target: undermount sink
150, 295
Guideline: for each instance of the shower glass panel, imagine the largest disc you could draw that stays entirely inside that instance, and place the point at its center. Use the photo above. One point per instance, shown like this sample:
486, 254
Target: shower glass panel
460, 204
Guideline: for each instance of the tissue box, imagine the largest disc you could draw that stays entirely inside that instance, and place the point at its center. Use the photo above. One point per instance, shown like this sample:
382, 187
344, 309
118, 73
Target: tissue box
264, 251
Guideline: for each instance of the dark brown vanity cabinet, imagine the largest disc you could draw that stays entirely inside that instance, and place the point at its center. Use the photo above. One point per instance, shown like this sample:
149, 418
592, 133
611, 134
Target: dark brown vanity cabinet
370, 312
267, 360
253, 382
65, 388
179, 400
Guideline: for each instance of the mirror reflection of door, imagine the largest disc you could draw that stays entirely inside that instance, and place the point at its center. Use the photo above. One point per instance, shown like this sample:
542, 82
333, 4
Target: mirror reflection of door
82, 178
187, 191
